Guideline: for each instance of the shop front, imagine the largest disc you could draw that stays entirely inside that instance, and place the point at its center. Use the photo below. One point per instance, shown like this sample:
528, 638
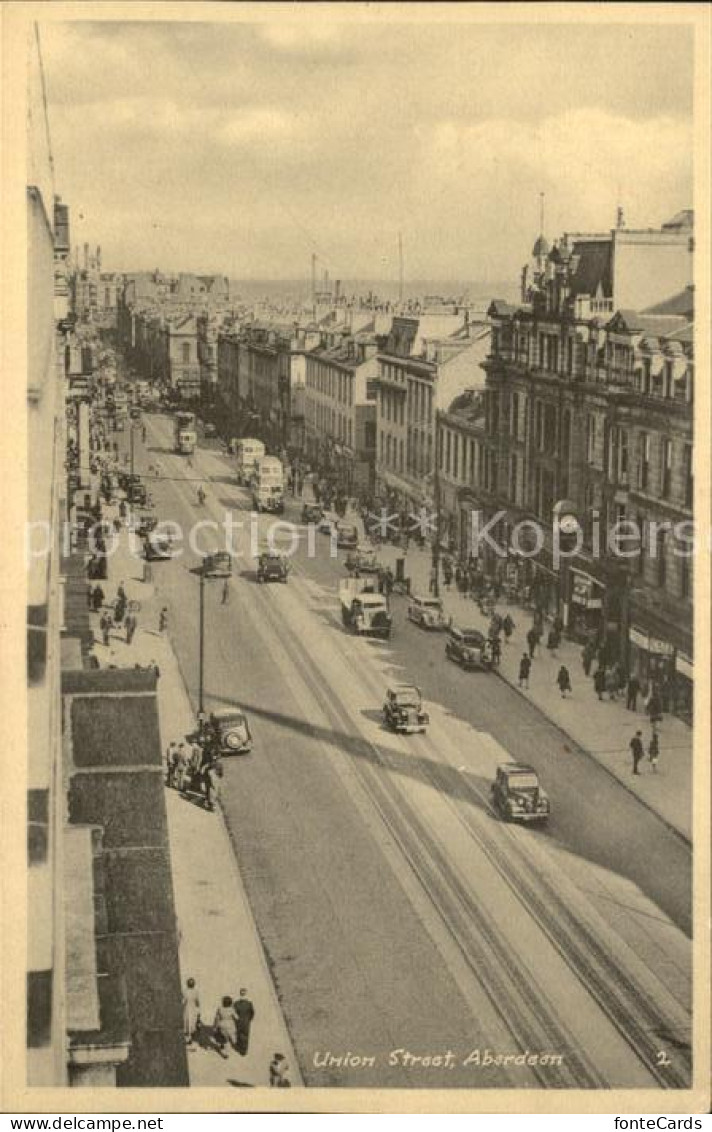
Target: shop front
657, 661
586, 600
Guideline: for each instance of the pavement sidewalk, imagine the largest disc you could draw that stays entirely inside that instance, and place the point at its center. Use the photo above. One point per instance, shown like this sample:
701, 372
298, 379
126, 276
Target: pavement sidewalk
603, 729
219, 945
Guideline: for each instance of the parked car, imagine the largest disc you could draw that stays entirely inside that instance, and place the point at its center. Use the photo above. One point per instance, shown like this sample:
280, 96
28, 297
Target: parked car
327, 523
469, 648
218, 565
312, 513
363, 559
346, 535
403, 709
427, 612
157, 545
136, 492
232, 732
272, 567
517, 794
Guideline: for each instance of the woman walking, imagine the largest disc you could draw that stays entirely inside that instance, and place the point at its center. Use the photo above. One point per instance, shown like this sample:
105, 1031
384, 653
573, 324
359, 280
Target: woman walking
564, 681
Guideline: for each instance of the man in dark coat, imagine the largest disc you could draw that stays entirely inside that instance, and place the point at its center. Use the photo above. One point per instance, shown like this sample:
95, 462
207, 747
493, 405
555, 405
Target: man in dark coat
632, 693
636, 749
244, 1015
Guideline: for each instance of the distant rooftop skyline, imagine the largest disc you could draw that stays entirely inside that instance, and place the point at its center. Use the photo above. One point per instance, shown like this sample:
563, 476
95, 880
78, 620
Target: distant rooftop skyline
241, 149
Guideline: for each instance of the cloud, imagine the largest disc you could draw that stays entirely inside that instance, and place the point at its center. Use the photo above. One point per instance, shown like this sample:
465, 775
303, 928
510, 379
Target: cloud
286, 137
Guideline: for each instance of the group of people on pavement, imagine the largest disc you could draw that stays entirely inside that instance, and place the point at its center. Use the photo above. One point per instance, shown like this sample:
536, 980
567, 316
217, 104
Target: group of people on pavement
195, 766
230, 1029
533, 639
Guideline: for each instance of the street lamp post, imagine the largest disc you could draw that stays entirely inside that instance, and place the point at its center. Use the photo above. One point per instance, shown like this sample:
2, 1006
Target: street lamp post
201, 646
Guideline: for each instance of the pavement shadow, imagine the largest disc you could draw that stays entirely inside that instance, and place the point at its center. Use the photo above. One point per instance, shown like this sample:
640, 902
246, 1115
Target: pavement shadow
460, 784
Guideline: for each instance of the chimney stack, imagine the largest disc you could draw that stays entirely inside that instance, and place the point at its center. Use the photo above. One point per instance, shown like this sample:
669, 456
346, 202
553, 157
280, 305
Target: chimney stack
86, 257
98, 257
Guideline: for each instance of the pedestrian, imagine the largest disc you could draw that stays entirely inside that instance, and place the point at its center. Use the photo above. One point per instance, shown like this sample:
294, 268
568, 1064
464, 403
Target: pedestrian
612, 684
553, 640
170, 757
636, 747
244, 1016
105, 626
191, 1012
278, 1072
163, 620
508, 626
558, 625
525, 665
90, 596
224, 1025
654, 751
119, 611
226, 592
587, 657
180, 773
654, 707
130, 624
532, 641
433, 585
97, 598
496, 651
121, 592
599, 681
564, 681
632, 693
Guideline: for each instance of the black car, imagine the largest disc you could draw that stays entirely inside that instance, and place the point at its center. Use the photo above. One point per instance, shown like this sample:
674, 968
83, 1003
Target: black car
469, 648
312, 513
517, 794
272, 567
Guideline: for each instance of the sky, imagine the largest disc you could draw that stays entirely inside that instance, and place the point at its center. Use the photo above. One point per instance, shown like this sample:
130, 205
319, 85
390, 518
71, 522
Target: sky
243, 148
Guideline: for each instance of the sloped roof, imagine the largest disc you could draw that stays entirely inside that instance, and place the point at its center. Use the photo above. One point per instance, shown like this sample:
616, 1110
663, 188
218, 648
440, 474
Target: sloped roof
592, 262
681, 303
655, 326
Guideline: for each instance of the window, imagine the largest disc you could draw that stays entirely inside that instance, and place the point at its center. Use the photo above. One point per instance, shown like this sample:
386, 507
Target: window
688, 476
185, 351
592, 439
622, 456
455, 454
644, 461
539, 425
642, 535
685, 575
513, 479
661, 556
665, 467
549, 428
514, 422
448, 446
565, 434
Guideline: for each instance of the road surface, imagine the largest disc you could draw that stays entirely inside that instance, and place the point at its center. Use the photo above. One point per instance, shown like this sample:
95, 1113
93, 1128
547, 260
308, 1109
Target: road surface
414, 939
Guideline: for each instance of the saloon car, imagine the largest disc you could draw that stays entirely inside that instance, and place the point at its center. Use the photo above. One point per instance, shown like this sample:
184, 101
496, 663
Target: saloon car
272, 567
218, 565
403, 709
468, 648
362, 559
231, 731
427, 612
517, 794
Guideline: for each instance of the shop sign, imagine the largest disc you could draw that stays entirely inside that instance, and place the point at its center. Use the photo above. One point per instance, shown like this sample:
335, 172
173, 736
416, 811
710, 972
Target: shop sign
683, 665
638, 637
659, 648
654, 645
582, 592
